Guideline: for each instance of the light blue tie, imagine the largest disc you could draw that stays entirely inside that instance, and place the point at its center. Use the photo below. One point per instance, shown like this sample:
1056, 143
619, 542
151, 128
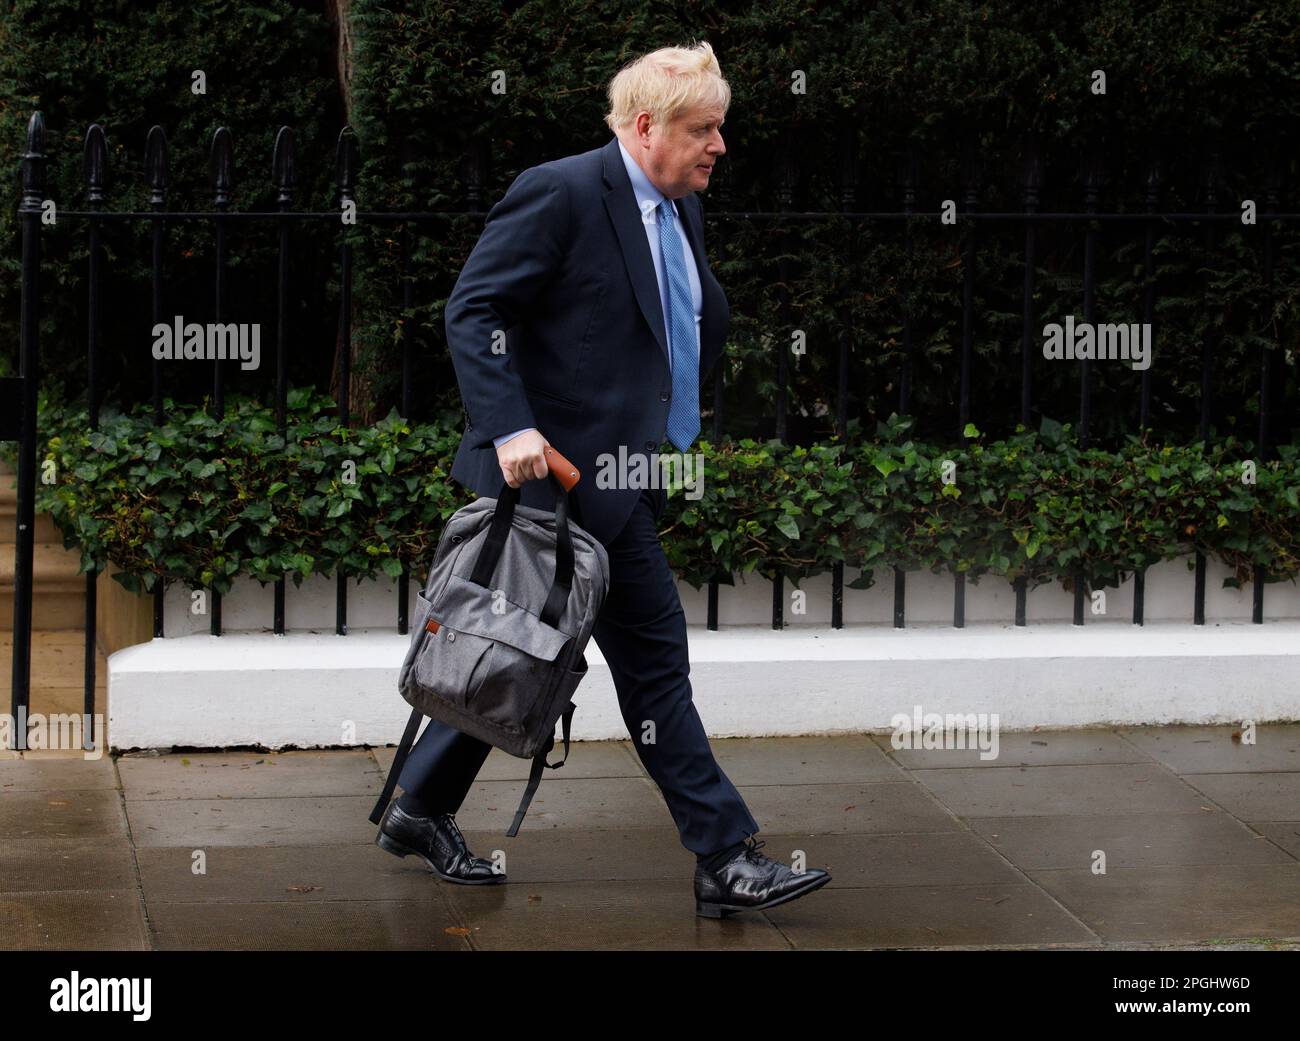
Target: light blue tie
684, 412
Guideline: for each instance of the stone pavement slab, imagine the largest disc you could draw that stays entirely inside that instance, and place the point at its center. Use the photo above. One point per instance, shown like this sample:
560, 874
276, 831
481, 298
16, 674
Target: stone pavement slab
38, 773
548, 854
235, 775
1023, 748
84, 814
1255, 796
1128, 840
615, 916
346, 925
927, 848
61, 865
1191, 750
927, 916
283, 874
1181, 903
1023, 791
86, 920
876, 807
804, 760
251, 822
928, 859
1284, 834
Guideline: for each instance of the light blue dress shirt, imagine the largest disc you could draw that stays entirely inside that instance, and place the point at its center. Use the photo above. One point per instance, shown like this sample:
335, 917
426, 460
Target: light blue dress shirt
648, 198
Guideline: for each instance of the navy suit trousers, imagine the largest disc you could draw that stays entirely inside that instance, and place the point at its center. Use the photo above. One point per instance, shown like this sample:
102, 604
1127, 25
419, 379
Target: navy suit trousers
641, 633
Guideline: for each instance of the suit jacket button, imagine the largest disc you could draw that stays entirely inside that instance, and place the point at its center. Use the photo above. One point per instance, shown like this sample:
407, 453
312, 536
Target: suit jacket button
649, 446
663, 397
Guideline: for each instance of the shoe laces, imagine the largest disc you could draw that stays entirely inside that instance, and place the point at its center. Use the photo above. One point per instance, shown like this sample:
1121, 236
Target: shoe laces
451, 823
752, 851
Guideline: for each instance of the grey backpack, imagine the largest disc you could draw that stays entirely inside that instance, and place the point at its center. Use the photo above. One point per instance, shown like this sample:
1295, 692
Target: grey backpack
496, 650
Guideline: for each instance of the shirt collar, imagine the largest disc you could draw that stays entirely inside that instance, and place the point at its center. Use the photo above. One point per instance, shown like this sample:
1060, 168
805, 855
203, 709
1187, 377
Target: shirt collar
648, 197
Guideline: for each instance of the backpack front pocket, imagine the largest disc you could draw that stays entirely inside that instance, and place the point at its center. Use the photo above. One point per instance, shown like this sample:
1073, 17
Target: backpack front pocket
513, 684
453, 664
513, 664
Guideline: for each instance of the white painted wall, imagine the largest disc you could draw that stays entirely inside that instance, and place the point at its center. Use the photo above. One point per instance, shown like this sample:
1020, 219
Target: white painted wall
311, 688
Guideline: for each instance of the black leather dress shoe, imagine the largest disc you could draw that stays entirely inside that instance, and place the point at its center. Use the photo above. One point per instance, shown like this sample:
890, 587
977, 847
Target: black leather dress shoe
438, 842
751, 881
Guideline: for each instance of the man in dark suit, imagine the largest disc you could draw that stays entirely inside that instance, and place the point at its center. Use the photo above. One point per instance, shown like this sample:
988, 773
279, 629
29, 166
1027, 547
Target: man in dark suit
586, 318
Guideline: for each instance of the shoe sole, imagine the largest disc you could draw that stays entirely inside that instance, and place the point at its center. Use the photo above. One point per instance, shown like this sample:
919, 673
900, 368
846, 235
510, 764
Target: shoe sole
400, 849
709, 909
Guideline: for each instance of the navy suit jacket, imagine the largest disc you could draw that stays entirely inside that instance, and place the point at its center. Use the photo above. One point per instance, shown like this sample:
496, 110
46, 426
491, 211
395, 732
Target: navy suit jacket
562, 275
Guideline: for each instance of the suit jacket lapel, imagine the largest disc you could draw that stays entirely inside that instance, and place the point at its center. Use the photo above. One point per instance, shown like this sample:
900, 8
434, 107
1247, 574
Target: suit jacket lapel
620, 202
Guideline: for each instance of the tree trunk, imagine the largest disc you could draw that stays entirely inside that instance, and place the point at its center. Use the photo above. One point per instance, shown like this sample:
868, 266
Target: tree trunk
359, 389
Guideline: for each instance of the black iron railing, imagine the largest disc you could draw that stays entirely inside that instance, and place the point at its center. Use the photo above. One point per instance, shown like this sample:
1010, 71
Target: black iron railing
21, 393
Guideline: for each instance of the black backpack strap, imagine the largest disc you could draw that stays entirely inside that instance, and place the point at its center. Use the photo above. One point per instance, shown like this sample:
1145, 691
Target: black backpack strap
558, 598
535, 774
399, 760
568, 721
489, 554
534, 778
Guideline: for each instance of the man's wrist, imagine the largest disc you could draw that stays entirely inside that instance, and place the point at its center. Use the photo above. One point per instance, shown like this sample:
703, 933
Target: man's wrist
497, 442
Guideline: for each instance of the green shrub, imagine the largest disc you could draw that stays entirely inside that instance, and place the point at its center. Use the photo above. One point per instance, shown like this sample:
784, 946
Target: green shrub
201, 500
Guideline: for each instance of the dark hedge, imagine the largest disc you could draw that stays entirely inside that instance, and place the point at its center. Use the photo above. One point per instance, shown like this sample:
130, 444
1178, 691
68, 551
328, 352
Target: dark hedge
1187, 79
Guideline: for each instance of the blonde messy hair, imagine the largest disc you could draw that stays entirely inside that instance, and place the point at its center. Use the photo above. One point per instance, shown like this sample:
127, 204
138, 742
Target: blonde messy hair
664, 82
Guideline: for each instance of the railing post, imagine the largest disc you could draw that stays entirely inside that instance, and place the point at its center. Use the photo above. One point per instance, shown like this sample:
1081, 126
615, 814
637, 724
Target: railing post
1272, 185
1154, 175
1092, 180
345, 167
785, 199
155, 165
223, 170
1210, 184
848, 203
94, 160
408, 360
1031, 184
907, 178
29, 213
284, 177
970, 176
721, 183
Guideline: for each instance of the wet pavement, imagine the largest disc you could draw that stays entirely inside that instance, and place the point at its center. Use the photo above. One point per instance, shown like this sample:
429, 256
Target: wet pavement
1134, 838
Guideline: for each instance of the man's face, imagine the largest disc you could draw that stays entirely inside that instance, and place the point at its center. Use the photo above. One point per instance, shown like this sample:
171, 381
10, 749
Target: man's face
678, 157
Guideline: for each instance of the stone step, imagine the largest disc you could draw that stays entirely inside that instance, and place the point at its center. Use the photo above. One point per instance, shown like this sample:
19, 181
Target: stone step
57, 675
58, 592
45, 529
